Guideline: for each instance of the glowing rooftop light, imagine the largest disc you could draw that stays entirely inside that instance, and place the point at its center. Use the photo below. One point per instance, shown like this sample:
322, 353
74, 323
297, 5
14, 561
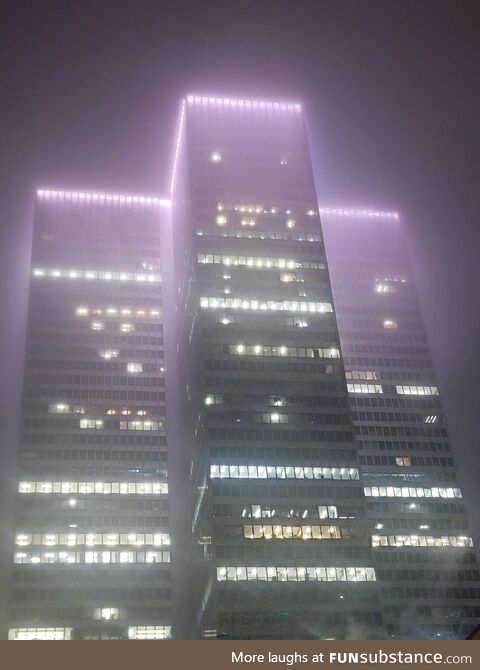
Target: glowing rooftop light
242, 103
101, 198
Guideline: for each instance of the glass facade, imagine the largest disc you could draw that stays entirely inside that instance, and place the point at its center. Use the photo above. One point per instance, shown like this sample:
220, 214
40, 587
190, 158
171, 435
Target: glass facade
92, 541
277, 526
423, 556
316, 488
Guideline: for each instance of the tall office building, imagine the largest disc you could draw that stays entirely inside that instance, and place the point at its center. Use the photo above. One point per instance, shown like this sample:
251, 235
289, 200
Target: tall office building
423, 555
317, 495
92, 537
280, 541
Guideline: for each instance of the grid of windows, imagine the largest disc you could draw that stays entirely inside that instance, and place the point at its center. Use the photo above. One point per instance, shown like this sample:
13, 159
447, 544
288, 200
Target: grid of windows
416, 514
281, 472
85, 488
91, 557
421, 541
266, 305
411, 492
92, 507
258, 262
291, 352
105, 275
91, 539
260, 367
295, 574
39, 633
269, 532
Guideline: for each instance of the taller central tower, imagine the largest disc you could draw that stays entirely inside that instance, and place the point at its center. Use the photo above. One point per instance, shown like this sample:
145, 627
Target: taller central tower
277, 525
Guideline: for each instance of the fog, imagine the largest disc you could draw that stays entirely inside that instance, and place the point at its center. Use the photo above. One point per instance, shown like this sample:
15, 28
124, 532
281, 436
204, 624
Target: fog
90, 95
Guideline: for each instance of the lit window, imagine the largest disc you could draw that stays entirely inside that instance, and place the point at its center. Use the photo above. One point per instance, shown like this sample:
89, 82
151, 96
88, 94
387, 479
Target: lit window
82, 311
221, 220
411, 492
296, 574
126, 327
59, 408
384, 288
141, 425
361, 374
421, 541
91, 556
91, 275
39, 633
431, 418
149, 632
214, 399
107, 354
248, 222
364, 388
290, 224
134, 367
215, 157
91, 423
327, 512
283, 161
251, 234
266, 305
417, 390
278, 532
92, 539
390, 324
86, 488
281, 472
258, 262
292, 352
403, 461
106, 613
97, 325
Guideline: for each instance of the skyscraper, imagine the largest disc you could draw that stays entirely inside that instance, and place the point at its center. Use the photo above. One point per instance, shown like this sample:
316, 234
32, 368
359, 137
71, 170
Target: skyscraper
316, 488
422, 549
92, 536
280, 541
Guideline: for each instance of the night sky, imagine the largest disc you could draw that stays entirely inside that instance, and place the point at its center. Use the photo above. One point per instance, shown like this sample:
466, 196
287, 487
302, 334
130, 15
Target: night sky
391, 90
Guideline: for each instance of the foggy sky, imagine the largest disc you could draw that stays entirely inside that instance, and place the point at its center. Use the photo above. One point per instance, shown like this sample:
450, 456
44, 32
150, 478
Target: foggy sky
391, 92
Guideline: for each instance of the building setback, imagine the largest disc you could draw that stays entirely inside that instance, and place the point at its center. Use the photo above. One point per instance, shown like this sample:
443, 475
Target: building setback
279, 537
92, 543
422, 549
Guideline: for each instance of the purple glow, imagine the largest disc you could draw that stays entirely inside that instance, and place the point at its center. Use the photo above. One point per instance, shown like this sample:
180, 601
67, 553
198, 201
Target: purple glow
102, 198
240, 102
359, 213
177, 145
121, 199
